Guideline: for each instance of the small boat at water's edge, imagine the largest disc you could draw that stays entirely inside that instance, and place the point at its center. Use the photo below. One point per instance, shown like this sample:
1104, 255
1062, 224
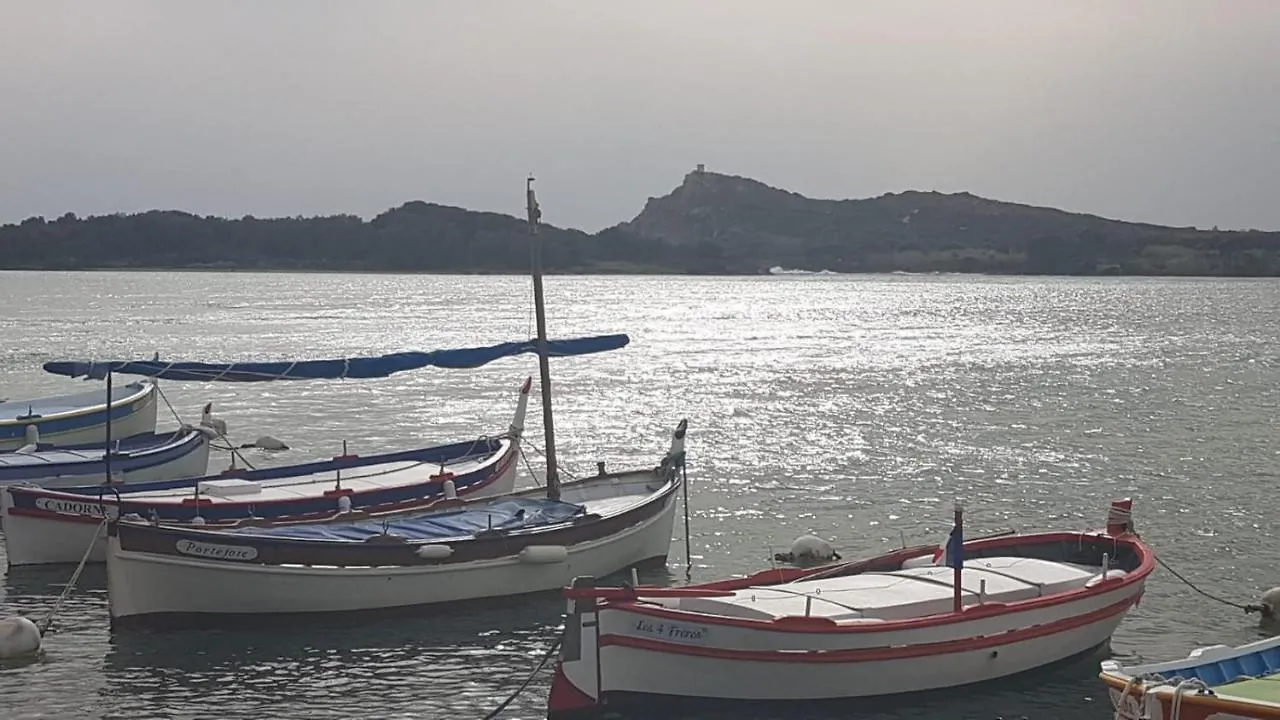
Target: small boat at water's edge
80, 418
910, 620
45, 525
1212, 683
142, 458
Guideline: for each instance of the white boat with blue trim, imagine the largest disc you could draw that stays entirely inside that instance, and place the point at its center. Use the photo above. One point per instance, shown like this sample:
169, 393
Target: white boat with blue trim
1212, 683
81, 418
149, 457
58, 525
452, 551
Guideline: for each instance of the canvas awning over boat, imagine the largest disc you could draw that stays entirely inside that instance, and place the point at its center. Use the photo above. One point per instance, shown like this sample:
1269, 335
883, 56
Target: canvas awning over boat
334, 369
509, 514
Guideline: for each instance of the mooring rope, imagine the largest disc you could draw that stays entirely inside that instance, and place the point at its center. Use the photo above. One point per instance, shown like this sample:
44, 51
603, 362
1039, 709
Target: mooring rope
47, 622
229, 446
1188, 583
551, 651
560, 468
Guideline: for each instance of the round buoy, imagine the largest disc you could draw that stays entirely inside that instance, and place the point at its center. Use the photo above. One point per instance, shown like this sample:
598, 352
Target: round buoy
808, 549
18, 636
344, 503
1270, 605
266, 442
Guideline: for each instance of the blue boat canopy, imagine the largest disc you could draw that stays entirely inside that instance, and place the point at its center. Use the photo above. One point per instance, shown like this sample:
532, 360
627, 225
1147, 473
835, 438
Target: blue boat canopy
358, 367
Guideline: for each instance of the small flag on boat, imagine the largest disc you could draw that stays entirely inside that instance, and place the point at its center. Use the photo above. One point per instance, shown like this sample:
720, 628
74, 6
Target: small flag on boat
953, 550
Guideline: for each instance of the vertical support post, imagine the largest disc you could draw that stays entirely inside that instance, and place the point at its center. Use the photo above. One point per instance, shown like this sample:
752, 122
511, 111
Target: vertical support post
956, 542
106, 453
544, 366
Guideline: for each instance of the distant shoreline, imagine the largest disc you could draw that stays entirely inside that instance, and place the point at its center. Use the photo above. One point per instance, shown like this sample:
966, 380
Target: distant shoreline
710, 225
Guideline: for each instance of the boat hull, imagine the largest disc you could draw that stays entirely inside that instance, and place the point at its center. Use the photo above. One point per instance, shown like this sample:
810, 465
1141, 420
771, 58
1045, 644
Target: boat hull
133, 412
53, 528
1192, 707
152, 458
1218, 682
146, 586
697, 660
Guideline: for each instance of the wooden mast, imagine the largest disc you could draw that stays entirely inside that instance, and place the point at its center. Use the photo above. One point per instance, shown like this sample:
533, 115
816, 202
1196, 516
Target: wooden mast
544, 366
106, 451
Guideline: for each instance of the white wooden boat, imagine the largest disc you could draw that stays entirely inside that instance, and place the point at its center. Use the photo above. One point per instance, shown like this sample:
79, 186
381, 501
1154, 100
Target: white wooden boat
79, 419
499, 547
142, 458
48, 525
1212, 683
898, 623
529, 542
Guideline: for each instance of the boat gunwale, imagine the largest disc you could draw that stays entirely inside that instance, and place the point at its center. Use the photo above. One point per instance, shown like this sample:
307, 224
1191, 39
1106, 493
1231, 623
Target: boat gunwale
669, 485
1133, 678
180, 438
145, 390
505, 445
619, 600
1220, 702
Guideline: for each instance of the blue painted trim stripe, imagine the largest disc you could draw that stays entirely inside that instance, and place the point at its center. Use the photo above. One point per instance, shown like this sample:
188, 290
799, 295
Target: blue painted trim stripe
172, 511
16, 429
129, 461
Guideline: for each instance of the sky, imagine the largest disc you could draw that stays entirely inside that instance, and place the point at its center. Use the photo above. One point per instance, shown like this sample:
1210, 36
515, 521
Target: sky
1163, 111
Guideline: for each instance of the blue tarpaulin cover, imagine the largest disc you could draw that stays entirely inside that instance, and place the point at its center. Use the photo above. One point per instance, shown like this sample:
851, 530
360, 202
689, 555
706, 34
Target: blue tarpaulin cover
358, 367
508, 514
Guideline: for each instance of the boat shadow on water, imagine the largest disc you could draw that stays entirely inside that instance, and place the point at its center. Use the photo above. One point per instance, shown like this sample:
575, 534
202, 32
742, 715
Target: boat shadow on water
1063, 690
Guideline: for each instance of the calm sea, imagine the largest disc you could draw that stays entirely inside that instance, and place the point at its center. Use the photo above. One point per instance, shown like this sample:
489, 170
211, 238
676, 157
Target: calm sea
853, 407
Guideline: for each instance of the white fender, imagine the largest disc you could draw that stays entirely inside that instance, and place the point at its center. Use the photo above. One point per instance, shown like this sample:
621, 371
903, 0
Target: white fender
18, 636
544, 554
434, 552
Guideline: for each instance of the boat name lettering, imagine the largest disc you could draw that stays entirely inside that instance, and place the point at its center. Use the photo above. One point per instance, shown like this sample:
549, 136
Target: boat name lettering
70, 507
218, 552
672, 631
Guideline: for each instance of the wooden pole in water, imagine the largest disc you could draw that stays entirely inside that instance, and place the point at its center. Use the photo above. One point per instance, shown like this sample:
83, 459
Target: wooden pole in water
544, 366
106, 452
957, 558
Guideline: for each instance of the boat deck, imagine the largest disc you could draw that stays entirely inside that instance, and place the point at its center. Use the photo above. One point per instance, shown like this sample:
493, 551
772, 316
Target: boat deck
900, 594
499, 514
12, 410
1265, 689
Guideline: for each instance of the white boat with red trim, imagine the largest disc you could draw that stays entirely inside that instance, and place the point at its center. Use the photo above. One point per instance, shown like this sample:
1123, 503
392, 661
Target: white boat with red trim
58, 525
911, 620
1212, 683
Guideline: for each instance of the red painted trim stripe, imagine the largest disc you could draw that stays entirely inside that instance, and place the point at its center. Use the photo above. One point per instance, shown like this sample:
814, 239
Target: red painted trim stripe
874, 654
416, 503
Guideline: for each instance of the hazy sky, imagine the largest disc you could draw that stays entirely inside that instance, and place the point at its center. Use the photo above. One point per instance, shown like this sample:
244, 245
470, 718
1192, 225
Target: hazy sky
1156, 110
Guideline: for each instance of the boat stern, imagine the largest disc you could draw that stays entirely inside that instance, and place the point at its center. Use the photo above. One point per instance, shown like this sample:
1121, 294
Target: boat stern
575, 686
